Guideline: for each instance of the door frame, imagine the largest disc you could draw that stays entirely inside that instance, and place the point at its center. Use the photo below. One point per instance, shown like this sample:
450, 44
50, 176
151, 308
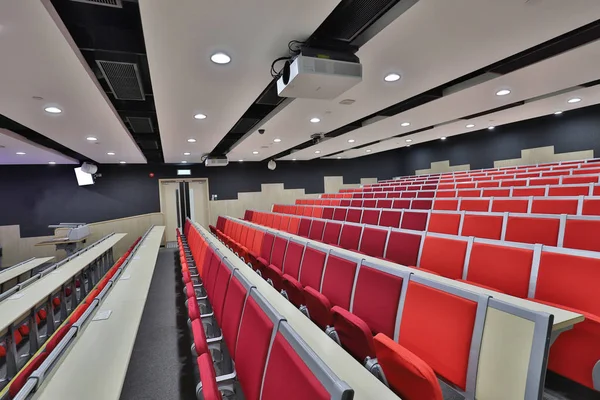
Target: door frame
177, 180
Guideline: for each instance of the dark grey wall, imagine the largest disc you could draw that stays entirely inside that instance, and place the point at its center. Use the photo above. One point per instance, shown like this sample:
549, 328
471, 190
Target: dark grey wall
36, 196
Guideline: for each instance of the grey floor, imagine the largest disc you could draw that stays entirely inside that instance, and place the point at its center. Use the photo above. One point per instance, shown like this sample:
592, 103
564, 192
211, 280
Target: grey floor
161, 366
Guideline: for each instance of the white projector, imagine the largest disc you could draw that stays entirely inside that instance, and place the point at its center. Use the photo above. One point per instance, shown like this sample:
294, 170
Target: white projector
318, 78
216, 162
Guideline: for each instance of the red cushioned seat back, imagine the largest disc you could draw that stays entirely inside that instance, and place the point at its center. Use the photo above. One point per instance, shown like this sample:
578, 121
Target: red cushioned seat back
444, 342
338, 280
287, 375
331, 234
421, 204
299, 210
544, 181
409, 194
385, 203
257, 243
512, 183
373, 242
316, 230
380, 195
252, 348
354, 333
376, 298
269, 221
294, 225
496, 192
444, 223
17, 384
232, 309
293, 257
304, 227
249, 238
220, 291
482, 226
469, 193
576, 190
401, 204
355, 203
317, 212
319, 307
510, 205
475, 205
591, 206
413, 220
403, 247
502, 267
529, 191
311, 269
445, 256
408, 375
554, 206
426, 194
308, 211
465, 185
572, 180
57, 337
350, 236
446, 186
327, 213
346, 202
211, 279
446, 193
532, 230
578, 234
488, 184
221, 223
278, 253
339, 214
276, 208
370, 217
569, 280
445, 204
370, 203
393, 195
390, 218
210, 390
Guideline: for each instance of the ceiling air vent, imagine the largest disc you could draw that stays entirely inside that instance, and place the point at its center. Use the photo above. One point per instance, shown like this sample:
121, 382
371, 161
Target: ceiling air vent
140, 124
105, 3
123, 79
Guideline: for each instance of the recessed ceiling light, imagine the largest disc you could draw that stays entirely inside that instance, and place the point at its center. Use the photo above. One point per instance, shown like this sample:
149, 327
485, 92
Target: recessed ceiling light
255, 152
187, 154
339, 158
405, 124
51, 162
20, 153
393, 77
315, 120
558, 113
471, 126
220, 58
200, 116
574, 100
443, 138
408, 140
91, 138
317, 151
110, 153
122, 162
408, 145
184, 162
293, 159
240, 160
53, 110
351, 140
191, 140
491, 128
277, 140
502, 92
368, 150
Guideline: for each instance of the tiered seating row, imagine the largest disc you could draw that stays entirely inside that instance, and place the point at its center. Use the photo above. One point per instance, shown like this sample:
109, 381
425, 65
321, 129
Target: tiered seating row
563, 230
521, 270
573, 205
272, 361
32, 375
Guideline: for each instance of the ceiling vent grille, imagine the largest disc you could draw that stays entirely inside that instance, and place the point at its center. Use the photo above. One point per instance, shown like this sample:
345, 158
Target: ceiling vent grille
140, 124
123, 79
105, 3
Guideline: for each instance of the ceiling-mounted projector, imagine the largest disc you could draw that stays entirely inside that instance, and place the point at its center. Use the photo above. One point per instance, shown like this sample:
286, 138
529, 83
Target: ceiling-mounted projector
316, 74
220, 161
89, 168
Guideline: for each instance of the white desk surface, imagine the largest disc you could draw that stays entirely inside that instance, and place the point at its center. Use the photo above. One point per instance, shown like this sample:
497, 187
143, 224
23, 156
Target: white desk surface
365, 385
26, 299
11, 273
94, 366
562, 318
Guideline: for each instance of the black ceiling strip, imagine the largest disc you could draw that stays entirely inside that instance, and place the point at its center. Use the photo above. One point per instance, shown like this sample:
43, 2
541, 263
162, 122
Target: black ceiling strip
494, 110
575, 38
590, 84
42, 140
114, 34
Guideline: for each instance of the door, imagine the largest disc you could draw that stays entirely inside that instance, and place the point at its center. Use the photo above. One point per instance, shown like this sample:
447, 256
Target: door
199, 202
181, 199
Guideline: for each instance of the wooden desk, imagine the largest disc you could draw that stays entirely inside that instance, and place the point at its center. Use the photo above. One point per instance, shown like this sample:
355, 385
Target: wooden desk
63, 243
10, 273
365, 385
37, 292
95, 364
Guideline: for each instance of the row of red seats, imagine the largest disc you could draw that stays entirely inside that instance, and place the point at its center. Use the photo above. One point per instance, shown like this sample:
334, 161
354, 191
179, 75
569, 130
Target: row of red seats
34, 363
271, 360
552, 230
577, 205
526, 271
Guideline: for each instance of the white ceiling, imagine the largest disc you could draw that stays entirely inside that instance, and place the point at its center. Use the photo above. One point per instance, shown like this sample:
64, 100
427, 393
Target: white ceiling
40, 59
433, 43
11, 144
549, 76
180, 40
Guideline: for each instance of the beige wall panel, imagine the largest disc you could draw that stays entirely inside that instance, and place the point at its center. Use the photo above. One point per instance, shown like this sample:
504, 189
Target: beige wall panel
543, 155
442, 166
365, 181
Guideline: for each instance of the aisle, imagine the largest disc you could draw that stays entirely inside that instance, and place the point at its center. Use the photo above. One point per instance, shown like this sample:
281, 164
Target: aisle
161, 364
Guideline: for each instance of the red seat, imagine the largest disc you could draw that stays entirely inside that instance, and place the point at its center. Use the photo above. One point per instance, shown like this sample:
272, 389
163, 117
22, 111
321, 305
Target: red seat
232, 308
421, 204
445, 256
370, 203
331, 234
440, 222
408, 375
294, 225
327, 213
554, 206
338, 280
19, 381
57, 337
591, 206
401, 204
482, 226
304, 227
319, 307
199, 337
370, 217
475, 205
339, 214
373, 242
510, 205
354, 215
414, 220
528, 191
316, 230
496, 192
445, 204
355, 203
532, 230
354, 334
577, 234
311, 272
350, 236
575, 190
390, 218
210, 390
403, 247
384, 203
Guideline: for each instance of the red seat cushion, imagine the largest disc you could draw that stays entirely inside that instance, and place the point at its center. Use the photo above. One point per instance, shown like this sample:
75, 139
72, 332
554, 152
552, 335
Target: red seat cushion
199, 337
193, 309
294, 290
408, 375
57, 337
319, 307
354, 333
444, 256
17, 384
210, 390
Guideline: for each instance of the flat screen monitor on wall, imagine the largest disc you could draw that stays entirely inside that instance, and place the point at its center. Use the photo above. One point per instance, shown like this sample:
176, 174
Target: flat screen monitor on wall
83, 179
